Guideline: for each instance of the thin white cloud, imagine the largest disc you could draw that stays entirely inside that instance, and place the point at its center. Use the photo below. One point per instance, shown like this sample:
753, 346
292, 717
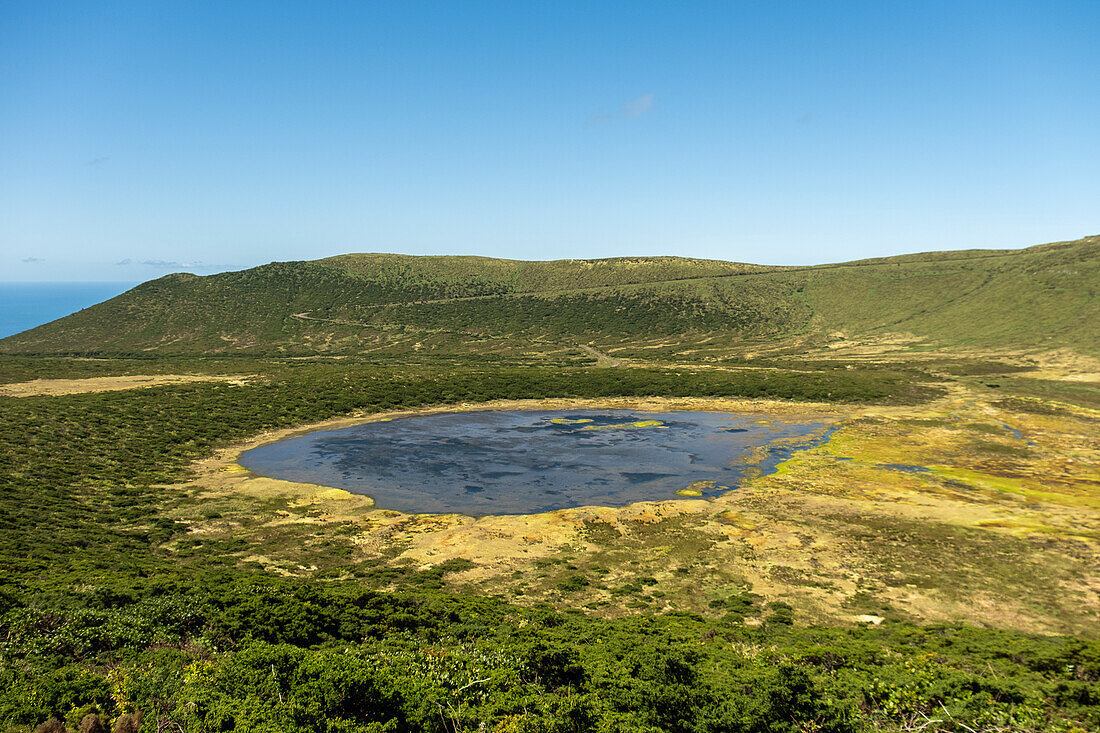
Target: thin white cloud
33, 259
638, 107
172, 263
628, 111
167, 264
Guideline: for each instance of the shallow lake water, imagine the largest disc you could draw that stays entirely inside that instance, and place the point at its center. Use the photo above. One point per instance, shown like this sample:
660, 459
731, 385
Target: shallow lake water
529, 461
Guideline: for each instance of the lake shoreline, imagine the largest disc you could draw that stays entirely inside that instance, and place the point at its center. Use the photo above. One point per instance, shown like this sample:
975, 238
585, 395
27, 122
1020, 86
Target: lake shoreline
223, 475
528, 461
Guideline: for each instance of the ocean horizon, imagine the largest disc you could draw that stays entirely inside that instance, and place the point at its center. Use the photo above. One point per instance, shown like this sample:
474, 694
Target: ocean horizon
25, 305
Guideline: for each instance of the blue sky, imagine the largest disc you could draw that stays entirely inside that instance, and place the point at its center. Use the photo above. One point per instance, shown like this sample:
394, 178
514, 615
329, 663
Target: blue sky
141, 138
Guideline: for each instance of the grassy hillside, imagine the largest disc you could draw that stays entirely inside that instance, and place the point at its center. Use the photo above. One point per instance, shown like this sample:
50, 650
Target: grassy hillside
518, 276
1037, 298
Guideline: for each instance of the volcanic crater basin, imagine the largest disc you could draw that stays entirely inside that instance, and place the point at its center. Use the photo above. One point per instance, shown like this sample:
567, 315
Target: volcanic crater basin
529, 461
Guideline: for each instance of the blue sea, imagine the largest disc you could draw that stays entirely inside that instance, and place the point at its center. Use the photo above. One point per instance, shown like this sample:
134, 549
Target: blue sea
26, 305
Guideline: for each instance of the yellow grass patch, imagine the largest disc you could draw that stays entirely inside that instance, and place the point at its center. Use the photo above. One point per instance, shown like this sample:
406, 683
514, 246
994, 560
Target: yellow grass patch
39, 387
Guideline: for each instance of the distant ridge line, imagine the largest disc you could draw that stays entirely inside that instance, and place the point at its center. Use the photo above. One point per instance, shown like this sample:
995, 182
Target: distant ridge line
1041, 297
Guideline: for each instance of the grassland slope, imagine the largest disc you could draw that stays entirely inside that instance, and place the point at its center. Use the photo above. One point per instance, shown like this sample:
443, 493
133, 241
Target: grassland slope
1038, 298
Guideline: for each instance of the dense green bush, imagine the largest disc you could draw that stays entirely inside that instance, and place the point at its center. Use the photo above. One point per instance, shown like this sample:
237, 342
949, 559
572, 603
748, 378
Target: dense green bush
322, 656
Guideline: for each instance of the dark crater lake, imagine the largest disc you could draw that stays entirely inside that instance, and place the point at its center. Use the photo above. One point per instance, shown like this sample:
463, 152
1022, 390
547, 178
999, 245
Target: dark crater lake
530, 461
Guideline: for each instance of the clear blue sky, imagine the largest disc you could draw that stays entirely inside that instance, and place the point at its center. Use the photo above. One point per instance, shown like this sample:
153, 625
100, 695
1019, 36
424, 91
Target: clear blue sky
219, 135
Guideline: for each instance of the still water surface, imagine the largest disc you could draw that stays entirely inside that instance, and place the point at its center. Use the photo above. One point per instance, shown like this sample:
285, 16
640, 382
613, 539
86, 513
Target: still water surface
529, 461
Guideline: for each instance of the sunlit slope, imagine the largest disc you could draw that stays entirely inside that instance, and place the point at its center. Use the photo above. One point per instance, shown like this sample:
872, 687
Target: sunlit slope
1042, 297
467, 275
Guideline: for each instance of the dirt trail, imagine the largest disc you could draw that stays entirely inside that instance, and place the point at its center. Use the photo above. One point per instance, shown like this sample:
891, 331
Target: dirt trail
603, 358
307, 317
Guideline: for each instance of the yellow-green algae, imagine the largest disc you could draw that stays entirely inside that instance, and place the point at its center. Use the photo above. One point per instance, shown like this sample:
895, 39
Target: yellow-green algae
695, 488
638, 424
1012, 486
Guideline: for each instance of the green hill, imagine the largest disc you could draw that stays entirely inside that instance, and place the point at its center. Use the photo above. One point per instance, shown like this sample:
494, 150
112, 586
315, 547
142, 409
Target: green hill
1037, 298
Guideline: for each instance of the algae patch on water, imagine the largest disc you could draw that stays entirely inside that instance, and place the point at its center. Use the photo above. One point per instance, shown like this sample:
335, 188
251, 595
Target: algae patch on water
696, 488
623, 425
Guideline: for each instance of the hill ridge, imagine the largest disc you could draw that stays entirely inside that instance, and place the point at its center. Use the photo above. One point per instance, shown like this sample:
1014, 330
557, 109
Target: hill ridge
1033, 298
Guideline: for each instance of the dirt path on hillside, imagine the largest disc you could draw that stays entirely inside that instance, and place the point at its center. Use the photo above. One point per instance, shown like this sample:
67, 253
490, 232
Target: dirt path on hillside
307, 317
603, 359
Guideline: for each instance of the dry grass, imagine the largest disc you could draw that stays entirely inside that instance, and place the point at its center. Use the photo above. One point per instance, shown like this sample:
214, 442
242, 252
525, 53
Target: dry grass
55, 387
